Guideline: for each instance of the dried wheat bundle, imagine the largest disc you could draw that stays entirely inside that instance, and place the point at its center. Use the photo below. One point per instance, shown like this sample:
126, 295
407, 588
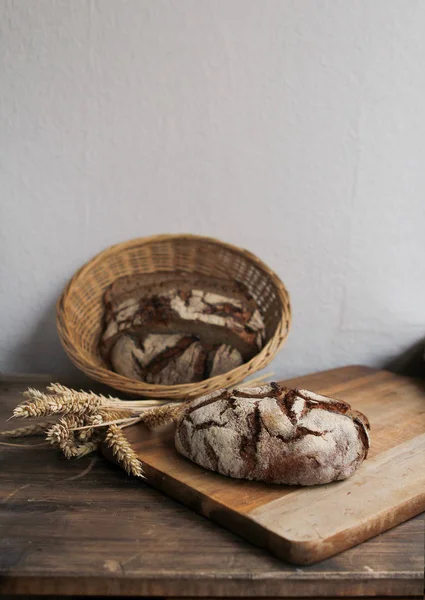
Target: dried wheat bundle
86, 420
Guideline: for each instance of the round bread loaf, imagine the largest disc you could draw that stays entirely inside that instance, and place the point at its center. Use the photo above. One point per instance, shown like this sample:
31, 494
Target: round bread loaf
273, 434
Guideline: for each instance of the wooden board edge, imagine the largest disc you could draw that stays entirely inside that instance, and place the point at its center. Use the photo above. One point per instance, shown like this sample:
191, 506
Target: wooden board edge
309, 542
306, 553
242, 524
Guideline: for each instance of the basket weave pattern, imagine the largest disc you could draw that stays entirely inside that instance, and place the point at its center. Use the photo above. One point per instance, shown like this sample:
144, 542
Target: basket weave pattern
80, 308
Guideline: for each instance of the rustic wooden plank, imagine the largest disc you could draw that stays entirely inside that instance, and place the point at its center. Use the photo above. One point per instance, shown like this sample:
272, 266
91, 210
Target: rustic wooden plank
66, 531
365, 498
31, 597
396, 408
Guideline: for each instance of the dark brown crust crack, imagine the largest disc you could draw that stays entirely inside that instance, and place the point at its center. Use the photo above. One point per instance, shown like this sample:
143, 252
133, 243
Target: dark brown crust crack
362, 434
238, 393
225, 395
249, 442
212, 455
258, 452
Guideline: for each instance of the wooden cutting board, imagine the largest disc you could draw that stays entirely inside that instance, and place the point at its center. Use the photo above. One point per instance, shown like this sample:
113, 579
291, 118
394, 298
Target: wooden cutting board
306, 524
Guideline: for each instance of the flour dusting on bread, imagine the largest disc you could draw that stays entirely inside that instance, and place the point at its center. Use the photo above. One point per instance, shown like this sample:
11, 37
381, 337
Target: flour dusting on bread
273, 434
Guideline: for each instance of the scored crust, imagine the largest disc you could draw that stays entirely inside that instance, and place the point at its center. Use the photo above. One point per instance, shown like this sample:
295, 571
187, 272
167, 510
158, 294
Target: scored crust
217, 311
274, 435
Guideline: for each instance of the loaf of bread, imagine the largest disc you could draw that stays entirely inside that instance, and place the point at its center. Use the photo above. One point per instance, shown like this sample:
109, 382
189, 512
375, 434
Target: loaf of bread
173, 328
274, 435
170, 359
214, 310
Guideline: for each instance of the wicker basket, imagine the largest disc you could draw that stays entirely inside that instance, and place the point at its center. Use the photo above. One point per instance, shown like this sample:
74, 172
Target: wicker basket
80, 308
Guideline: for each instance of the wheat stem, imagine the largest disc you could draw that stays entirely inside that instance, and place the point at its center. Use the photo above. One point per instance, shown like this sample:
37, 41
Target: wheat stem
131, 422
152, 418
36, 429
23, 445
106, 423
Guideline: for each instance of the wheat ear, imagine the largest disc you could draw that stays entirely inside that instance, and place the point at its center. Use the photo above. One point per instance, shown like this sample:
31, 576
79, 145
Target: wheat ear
156, 417
123, 452
58, 400
62, 436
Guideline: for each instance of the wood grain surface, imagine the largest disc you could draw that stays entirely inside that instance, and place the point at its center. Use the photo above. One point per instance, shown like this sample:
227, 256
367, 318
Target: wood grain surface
307, 524
70, 528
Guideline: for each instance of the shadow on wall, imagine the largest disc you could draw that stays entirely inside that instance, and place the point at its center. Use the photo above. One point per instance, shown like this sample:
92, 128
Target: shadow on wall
42, 351
411, 362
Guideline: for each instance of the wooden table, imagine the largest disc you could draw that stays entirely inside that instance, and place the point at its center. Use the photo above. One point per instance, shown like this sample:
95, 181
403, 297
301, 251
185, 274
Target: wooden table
83, 528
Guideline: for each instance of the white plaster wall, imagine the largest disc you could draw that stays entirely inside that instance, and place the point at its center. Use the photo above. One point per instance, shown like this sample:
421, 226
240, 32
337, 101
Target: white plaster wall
295, 128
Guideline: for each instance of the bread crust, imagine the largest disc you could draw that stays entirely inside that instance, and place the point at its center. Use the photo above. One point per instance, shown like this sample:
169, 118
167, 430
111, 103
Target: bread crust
216, 311
171, 359
273, 434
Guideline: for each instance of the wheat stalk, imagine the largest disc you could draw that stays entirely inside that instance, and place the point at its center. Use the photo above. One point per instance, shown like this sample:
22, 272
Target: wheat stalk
116, 413
160, 416
39, 407
123, 452
89, 418
104, 417
51, 405
23, 445
59, 400
153, 418
36, 429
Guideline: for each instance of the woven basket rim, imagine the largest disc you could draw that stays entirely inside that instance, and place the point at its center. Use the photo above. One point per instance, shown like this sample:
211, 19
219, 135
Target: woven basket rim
143, 241
85, 359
